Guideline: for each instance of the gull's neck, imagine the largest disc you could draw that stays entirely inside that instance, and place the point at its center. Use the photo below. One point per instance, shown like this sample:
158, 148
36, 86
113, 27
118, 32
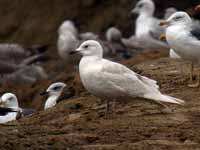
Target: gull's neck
90, 59
146, 14
88, 62
51, 101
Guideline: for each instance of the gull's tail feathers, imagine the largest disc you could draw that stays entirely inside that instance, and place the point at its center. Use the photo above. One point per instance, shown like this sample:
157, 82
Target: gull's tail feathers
164, 98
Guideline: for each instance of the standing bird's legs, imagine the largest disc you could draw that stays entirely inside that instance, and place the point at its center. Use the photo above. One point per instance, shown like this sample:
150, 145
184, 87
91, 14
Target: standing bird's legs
107, 108
110, 108
195, 85
191, 72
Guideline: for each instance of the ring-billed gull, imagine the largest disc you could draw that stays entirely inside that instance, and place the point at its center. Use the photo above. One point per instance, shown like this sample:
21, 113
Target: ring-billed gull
113, 81
183, 36
147, 30
54, 91
9, 100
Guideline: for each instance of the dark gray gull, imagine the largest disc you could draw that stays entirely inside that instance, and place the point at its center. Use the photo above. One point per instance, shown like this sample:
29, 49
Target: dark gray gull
113, 81
183, 36
147, 30
9, 101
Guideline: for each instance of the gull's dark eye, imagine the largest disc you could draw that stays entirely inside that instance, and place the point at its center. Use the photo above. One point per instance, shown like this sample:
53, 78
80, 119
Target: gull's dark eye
140, 5
56, 88
178, 17
86, 46
10, 98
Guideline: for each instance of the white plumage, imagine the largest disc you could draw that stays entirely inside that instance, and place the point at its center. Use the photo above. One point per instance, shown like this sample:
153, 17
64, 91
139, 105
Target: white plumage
110, 80
147, 30
54, 91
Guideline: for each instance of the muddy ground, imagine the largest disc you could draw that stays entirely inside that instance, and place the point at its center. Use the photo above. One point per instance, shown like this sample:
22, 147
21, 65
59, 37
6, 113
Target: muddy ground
80, 123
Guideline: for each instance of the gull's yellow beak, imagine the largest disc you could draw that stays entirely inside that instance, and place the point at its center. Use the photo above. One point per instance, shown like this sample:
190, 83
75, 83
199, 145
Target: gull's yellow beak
163, 23
162, 37
197, 8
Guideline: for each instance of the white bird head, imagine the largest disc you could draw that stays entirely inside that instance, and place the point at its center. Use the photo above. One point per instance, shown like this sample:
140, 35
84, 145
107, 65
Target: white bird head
178, 18
113, 34
90, 48
144, 6
68, 26
169, 11
9, 100
55, 89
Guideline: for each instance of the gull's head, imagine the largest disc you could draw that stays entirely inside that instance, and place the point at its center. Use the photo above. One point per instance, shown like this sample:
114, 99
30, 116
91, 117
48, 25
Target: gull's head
144, 6
178, 18
54, 89
9, 100
68, 26
113, 34
169, 11
90, 48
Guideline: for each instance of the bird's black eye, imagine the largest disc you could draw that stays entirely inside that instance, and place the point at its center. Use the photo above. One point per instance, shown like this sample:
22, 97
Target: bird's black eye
140, 5
86, 46
56, 88
10, 98
178, 17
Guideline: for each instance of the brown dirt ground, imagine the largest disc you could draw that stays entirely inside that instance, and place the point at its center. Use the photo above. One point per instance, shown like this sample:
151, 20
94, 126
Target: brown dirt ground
80, 123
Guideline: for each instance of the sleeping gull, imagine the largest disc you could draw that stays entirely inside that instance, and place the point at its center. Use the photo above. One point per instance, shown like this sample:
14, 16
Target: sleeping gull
147, 30
20, 74
54, 91
183, 36
9, 101
16, 54
113, 81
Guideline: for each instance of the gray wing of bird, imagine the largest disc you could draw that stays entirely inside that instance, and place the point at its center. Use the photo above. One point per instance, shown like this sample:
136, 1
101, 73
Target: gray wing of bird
27, 111
6, 67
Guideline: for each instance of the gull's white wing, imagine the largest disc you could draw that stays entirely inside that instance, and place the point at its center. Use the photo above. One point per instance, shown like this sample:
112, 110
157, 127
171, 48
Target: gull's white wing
131, 83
